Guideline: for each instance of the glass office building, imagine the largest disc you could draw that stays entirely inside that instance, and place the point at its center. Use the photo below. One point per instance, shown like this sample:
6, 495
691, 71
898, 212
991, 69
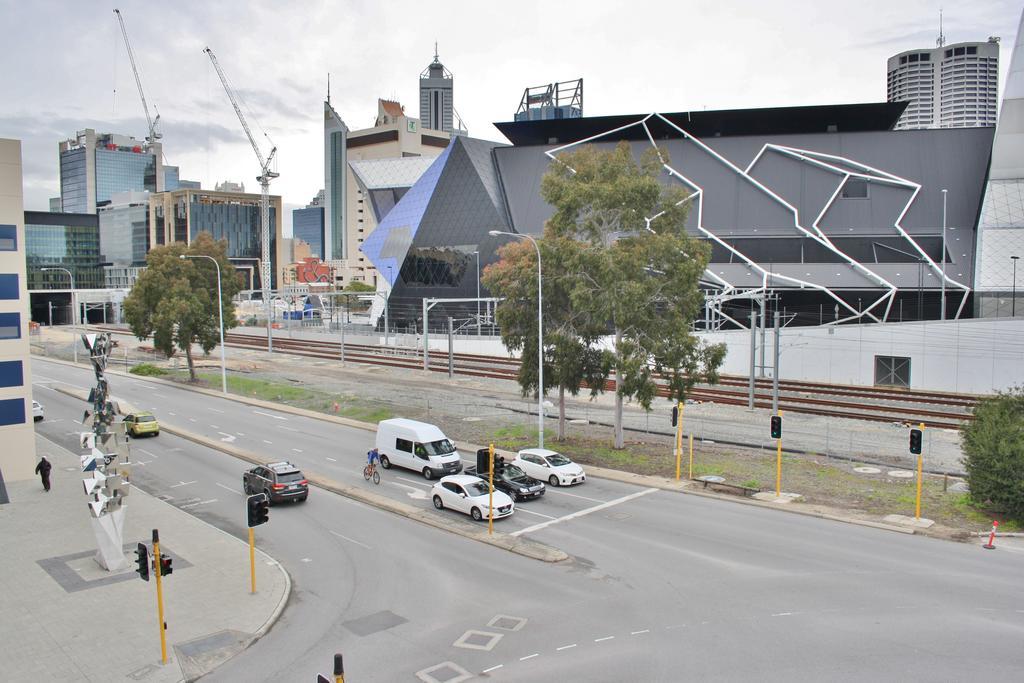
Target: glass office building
65, 240
308, 226
95, 166
123, 171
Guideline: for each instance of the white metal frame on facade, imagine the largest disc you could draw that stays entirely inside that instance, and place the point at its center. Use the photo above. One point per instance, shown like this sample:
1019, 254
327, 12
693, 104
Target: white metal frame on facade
729, 291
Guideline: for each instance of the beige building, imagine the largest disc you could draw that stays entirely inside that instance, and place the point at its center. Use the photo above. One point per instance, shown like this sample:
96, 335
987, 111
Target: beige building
394, 135
180, 215
18, 455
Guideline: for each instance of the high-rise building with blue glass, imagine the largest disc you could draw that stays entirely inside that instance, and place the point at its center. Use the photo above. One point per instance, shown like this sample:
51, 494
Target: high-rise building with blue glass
308, 225
94, 166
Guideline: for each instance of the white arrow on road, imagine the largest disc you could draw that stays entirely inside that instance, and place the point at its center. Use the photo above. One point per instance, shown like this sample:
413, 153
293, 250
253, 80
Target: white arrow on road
227, 437
414, 493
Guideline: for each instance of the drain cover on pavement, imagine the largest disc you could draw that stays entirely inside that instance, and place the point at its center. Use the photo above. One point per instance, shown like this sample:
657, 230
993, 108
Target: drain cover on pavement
901, 474
866, 470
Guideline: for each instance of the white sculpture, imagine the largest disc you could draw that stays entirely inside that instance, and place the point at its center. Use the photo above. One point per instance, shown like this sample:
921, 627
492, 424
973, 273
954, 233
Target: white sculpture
107, 462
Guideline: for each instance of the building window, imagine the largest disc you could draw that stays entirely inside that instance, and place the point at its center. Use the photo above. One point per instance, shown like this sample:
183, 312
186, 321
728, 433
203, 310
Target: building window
855, 188
892, 371
11, 373
12, 411
8, 286
10, 326
8, 238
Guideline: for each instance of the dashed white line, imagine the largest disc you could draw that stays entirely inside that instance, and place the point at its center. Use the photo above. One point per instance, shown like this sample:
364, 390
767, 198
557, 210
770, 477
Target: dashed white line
493, 668
214, 426
180, 483
636, 633
581, 513
200, 502
412, 481
191, 419
289, 429
552, 489
172, 415
264, 441
296, 450
780, 614
521, 659
276, 417
557, 649
141, 462
224, 486
351, 540
215, 410
596, 640
332, 460
143, 450
531, 512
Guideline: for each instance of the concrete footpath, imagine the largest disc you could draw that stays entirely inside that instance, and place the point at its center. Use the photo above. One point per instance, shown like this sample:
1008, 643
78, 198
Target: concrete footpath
66, 619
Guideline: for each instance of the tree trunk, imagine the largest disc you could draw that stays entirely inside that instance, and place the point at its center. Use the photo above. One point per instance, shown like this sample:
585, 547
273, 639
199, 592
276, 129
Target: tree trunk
191, 364
561, 412
620, 441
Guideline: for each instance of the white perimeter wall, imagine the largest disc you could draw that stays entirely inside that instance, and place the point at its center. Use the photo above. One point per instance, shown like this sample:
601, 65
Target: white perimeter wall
975, 356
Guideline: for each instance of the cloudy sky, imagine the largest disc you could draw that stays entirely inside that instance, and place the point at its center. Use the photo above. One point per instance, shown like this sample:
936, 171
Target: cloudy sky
65, 68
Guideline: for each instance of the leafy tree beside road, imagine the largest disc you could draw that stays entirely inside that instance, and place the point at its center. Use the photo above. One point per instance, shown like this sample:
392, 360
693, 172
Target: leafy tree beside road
993, 445
617, 261
174, 301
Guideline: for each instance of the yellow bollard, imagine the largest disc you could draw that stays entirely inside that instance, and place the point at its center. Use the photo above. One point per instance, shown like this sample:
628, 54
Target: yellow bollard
691, 456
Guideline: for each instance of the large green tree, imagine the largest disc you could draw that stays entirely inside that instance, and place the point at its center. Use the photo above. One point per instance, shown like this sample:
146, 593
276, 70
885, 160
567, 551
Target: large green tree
993, 445
637, 269
174, 301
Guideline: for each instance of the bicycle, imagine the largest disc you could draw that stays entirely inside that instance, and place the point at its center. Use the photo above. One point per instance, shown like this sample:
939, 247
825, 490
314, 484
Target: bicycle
370, 471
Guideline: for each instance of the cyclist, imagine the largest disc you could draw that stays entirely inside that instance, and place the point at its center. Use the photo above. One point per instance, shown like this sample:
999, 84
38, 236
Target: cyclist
372, 458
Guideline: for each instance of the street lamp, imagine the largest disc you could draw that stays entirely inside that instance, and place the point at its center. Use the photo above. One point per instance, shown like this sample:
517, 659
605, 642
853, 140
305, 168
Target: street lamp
943, 313
1013, 296
540, 334
477, 254
220, 317
74, 309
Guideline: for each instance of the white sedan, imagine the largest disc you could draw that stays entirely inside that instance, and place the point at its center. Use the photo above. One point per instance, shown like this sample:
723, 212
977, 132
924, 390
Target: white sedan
549, 466
469, 494
37, 411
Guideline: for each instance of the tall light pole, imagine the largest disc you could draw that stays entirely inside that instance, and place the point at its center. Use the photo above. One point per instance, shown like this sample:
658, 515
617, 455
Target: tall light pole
477, 254
1013, 296
943, 313
74, 309
540, 334
220, 317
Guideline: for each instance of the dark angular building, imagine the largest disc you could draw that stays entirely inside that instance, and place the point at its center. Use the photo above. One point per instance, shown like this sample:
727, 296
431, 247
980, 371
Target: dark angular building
824, 212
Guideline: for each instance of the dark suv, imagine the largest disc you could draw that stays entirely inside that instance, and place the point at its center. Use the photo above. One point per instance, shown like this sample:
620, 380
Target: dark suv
279, 480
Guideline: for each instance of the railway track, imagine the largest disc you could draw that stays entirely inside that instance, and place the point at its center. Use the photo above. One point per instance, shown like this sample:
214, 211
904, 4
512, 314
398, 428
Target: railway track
935, 409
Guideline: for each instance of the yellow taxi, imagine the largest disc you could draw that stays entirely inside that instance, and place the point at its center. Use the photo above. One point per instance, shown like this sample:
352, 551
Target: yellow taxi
141, 424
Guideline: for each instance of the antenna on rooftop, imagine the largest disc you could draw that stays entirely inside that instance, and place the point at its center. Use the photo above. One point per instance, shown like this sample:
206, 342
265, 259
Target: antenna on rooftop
942, 38
328, 87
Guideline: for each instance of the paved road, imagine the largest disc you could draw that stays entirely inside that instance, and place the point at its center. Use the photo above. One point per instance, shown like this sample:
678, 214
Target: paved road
662, 586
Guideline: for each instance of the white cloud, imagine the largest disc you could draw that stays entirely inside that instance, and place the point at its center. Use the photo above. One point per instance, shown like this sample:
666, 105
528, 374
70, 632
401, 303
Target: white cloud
65, 66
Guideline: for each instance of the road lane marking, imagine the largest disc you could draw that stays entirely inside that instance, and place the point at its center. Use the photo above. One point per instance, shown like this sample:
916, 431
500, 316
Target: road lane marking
227, 437
493, 668
289, 429
296, 450
521, 659
780, 614
141, 462
557, 649
223, 486
333, 459
413, 481
276, 417
596, 640
636, 633
413, 492
264, 441
581, 513
191, 419
552, 489
350, 540
201, 502
172, 415
531, 512
214, 426
216, 411
180, 483
143, 450
153, 393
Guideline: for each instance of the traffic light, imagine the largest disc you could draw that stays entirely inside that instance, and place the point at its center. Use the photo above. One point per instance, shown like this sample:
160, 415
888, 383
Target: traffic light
142, 562
776, 427
257, 509
915, 441
165, 565
675, 415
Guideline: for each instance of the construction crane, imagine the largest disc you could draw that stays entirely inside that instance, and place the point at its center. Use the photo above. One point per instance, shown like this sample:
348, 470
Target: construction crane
153, 135
264, 178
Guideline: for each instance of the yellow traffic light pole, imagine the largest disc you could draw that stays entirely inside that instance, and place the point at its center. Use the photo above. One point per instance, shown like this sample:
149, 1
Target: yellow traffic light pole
159, 597
490, 493
691, 456
679, 436
778, 464
252, 560
920, 467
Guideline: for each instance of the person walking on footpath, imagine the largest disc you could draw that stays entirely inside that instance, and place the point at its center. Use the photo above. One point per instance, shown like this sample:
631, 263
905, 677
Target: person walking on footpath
43, 470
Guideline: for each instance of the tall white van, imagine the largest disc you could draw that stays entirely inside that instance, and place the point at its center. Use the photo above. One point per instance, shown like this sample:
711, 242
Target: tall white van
417, 446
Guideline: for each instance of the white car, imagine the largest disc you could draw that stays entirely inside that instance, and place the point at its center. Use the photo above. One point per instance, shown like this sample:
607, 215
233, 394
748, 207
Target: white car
549, 466
469, 494
37, 411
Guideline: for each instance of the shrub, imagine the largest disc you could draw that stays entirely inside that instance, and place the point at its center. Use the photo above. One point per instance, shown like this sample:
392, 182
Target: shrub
993, 445
147, 370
